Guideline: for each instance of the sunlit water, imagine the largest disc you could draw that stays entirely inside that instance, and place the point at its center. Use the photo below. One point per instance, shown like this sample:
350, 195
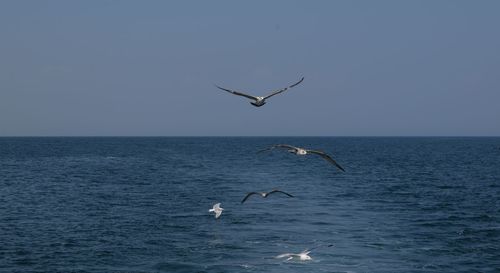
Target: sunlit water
141, 205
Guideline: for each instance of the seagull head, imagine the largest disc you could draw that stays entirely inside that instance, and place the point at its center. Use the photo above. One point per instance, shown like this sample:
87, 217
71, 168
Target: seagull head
259, 101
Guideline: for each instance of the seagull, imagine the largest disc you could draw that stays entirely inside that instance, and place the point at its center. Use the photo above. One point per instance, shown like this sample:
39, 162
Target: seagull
303, 256
263, 194
302, 151
259, 101
217, 209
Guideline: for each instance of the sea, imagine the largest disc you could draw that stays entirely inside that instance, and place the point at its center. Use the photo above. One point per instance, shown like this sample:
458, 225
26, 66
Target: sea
140, 204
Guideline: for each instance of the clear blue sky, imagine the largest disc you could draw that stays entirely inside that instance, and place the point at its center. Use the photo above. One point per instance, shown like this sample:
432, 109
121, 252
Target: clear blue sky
148, 68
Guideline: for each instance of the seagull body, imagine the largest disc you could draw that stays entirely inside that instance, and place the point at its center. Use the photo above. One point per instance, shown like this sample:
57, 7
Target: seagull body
258, 101
217, 209
263, 194
302, 151
303, 256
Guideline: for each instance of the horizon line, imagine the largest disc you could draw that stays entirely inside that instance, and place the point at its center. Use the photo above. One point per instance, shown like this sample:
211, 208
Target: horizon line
247, 136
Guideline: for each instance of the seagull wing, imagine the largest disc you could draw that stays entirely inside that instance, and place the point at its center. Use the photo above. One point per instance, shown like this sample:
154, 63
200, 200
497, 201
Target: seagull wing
285, 146
278, 146
273, 191
283, 89
248, 195
216, 206
327, 157
237, 93
318, 246
284, 255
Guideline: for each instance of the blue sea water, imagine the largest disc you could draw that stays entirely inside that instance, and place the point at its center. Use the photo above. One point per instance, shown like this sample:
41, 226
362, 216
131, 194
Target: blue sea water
141, 205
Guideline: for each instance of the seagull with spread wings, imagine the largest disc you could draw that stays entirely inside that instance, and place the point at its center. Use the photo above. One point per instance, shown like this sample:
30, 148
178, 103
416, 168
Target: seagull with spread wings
259, 101
302, 151
264, 194
217, 210
302, 256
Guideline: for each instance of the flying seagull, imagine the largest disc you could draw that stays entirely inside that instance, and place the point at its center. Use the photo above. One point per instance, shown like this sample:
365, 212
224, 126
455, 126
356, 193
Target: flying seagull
263, 194
303, 256
259, 101
302, 151
217, 209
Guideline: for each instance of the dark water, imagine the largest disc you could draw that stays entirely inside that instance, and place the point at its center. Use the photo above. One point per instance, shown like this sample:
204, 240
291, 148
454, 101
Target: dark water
141, 205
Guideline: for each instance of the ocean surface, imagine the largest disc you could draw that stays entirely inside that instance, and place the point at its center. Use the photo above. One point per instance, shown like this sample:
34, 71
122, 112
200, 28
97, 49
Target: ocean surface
141, 205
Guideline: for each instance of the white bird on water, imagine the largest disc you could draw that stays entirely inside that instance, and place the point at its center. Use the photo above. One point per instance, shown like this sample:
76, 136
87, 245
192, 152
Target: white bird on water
303, 256
217, 209
259, 101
